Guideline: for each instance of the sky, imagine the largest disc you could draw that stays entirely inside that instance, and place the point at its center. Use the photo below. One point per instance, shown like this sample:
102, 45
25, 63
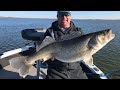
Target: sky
52, 14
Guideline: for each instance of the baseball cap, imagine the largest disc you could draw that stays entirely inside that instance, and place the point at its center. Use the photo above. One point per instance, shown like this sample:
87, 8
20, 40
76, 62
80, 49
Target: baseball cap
62, 13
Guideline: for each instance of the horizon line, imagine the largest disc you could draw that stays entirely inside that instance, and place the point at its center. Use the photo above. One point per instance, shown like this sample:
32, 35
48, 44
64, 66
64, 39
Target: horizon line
56, 18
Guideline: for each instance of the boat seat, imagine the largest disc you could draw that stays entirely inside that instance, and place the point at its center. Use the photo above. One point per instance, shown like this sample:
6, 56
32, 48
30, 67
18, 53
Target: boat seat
33, 34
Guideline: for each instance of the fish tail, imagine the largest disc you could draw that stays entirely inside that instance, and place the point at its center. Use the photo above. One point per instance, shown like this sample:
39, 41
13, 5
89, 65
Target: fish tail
21, 64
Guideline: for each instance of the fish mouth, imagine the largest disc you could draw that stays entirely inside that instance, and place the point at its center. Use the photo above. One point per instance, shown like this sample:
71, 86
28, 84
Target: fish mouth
111, 34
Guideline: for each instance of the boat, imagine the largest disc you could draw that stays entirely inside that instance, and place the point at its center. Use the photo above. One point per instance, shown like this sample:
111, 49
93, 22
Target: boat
39, 69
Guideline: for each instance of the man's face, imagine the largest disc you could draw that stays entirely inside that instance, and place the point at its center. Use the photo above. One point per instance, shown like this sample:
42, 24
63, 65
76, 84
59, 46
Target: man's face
64, 20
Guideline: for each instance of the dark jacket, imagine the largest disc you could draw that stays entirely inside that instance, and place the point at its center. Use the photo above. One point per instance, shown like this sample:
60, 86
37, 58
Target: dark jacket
58, 69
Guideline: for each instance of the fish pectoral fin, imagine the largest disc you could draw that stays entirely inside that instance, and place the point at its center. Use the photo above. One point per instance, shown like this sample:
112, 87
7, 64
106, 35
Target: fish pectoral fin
89, 61
46, 41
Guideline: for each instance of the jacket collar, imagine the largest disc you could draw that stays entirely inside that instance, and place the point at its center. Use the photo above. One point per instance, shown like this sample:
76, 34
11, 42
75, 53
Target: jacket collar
56, 27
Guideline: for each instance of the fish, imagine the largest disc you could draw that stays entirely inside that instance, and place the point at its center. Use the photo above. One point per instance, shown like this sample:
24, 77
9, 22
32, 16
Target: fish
79, 48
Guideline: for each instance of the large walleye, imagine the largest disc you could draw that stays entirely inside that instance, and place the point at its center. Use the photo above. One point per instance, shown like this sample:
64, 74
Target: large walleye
72, 50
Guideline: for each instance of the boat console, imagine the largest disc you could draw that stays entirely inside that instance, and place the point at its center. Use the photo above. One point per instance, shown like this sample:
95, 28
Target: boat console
33, 34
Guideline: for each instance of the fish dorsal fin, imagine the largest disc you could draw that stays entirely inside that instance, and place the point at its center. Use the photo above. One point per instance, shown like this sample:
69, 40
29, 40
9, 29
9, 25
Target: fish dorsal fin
46, 41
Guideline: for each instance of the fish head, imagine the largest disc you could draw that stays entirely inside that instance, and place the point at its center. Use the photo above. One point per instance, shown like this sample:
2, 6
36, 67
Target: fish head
105, 36
100, 39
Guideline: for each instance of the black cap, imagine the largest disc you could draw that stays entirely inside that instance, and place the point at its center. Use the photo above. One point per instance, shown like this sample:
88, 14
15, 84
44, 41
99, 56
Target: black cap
59, 12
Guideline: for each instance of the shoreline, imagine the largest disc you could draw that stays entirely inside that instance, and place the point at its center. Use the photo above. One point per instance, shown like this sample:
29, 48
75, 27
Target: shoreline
52, 18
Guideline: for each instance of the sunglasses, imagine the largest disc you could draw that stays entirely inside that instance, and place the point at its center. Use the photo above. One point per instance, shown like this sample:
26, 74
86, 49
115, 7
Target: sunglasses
64, 14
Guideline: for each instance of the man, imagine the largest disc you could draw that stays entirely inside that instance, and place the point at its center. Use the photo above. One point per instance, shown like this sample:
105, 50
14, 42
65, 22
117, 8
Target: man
57, 69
